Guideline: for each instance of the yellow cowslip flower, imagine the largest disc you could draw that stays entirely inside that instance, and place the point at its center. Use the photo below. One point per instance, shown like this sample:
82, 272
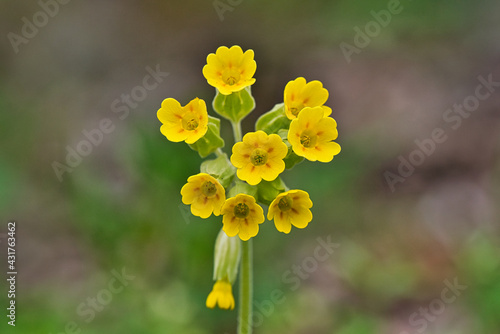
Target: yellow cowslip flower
290, 208
259, 156
222, 295
205, 194
230, 70
299, 94
311, 135
188, 123
242, 216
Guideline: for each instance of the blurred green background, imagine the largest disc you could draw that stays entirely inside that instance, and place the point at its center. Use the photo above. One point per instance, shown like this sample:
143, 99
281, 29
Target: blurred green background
121, 206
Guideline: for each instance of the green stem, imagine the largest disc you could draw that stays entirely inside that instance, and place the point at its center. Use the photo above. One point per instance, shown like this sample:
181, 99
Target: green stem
246, 270
236, 131
246, 289
219, 152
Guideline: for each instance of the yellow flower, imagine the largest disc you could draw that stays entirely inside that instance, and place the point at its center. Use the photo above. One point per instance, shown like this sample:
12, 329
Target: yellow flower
222, 295
188, 123
259, 156
230, 70
311, 135
242, 216
290, 208
299, 94
205, 194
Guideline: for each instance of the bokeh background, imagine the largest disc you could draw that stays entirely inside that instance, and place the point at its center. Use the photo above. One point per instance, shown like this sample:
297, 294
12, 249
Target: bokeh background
120, 207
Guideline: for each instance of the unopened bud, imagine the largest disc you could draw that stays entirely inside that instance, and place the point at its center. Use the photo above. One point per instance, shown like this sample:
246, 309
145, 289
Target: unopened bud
227, 257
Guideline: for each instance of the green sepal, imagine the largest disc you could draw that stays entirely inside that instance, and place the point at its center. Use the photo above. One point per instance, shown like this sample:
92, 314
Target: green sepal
211, 141
220, 168
227, 257
273, 120
243, 188
268, 190
291, 159
235, 106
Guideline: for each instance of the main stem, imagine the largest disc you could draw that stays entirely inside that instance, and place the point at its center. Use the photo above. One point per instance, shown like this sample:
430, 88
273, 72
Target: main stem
246, 289
246, 270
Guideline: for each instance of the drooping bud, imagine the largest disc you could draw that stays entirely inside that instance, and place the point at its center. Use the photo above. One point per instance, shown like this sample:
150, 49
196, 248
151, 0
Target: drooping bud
227, 257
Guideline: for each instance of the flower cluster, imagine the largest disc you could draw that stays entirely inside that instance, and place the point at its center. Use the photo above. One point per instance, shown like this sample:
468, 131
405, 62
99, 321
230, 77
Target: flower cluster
239, 186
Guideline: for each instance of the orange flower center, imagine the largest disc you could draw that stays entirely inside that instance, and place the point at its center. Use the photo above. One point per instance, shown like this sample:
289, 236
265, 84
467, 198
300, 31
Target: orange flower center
285, 203
241, 210
230, 77
308, 139
295, 106
258, 157
189, 122
208, 189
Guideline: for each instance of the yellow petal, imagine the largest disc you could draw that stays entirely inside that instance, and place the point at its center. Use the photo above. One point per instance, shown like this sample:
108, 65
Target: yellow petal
170, 111
327, 110
309, 117
211, 300
189, 192
173, 133
202, 207
313, 94
254, 139
300, 216
282, 223
250, 174
326, 151
248, 229
219, 199
248, 65
273, 208
230, 225
259, 212
228, 205
223, 55
294, 132
301, 198
241, 155
195, 135
213, 68
293, 89
236, 54
272, 169
276, 148
326, 130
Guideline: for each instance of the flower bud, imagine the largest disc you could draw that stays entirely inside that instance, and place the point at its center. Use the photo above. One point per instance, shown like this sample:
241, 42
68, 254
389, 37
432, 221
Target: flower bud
227, 257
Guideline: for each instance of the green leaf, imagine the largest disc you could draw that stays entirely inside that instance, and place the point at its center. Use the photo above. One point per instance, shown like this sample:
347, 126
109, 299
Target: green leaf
274, 120
235, 106
220, 168
268, 190
211, 141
